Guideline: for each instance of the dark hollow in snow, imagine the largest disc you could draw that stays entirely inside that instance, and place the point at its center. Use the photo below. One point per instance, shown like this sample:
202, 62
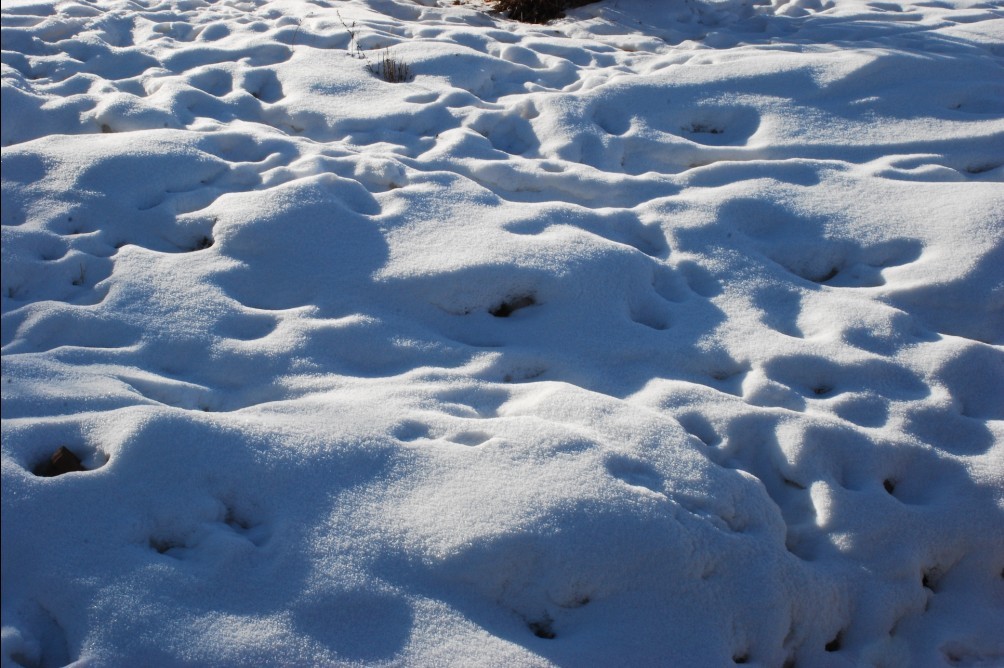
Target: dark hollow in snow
542, 628
536, 11
929, 578
62, 461
506, 308
203, 243
825, 277
703, 128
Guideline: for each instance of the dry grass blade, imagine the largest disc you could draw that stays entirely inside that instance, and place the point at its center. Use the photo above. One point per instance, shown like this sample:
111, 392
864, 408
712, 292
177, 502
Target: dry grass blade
390, 69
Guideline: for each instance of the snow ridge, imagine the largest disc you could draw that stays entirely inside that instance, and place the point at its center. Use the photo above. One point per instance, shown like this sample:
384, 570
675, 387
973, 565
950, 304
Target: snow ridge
662, 334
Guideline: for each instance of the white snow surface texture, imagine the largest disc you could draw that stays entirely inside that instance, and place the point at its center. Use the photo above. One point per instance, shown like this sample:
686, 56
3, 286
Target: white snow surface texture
395, 332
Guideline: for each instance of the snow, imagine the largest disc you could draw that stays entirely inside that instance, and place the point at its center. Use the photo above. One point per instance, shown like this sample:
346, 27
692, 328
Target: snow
667, 333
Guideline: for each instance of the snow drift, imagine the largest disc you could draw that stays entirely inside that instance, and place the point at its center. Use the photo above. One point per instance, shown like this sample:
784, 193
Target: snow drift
663, 334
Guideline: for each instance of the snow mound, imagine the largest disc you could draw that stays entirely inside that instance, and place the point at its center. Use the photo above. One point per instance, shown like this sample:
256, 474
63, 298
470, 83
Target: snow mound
660, 334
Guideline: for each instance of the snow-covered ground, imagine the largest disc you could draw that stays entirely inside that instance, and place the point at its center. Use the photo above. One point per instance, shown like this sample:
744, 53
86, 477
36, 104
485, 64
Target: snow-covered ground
668, 333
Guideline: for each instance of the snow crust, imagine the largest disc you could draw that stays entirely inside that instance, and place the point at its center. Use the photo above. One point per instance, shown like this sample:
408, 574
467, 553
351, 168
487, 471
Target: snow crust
668, 333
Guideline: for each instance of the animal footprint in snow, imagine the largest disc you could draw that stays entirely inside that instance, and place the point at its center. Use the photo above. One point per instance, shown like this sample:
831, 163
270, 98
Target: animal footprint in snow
470, 438
722, 127
202, 243
256, 533
263, 85
698, 426
636, 473
847, 265
652, 317
524, 374
704, 128
411, 430
226, 535
168, 547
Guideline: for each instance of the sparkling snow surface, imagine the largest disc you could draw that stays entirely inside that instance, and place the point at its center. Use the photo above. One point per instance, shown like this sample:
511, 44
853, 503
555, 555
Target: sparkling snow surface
668, 333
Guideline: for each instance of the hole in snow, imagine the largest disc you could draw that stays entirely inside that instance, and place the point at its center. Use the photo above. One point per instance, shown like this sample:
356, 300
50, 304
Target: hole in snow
509, 306
62, 461
542, 627
203, 243
703, 128
164, 546
825, 277
577, 602
930, 577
